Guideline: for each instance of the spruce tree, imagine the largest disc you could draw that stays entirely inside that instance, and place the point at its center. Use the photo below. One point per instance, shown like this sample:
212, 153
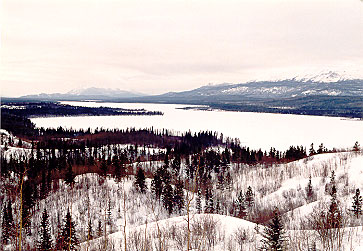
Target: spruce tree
357, 204
356, 146
69, 176
309, 190
109, 214
68, 239
274, 235
140, 181
28, 203
5, 238
249, 197
209, 201
198, 201
167, 197
99, 228
45, 241
179, 196
321, 149
8, 226
311, 150
334, 215
241, 206
228, 180
157, 185
221, 183
218, 206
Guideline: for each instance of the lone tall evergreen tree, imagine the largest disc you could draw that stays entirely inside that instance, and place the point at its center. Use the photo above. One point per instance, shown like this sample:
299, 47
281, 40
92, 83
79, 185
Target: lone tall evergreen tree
357, 204
334, 215
140, 181
274, 235
68, 239
45, 241
28, 203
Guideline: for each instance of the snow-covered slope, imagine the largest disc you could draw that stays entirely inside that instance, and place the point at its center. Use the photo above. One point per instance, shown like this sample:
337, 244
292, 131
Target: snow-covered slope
115, 208
323, 83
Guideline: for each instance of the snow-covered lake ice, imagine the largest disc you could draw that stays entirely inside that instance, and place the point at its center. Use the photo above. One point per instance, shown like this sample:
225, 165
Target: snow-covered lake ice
256, 130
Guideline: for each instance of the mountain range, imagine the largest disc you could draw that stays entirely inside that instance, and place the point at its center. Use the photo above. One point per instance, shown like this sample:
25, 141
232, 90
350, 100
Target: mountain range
92, 93
328, 94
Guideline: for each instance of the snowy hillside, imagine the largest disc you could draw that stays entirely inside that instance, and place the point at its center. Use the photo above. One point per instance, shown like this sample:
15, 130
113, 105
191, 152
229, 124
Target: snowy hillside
226, 208
98, 200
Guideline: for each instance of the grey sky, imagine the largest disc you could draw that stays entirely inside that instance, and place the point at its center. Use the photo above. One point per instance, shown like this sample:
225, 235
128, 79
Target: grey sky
158, 46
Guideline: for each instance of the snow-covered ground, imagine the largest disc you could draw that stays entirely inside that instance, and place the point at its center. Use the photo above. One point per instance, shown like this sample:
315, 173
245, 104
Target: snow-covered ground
115, 208
277, 186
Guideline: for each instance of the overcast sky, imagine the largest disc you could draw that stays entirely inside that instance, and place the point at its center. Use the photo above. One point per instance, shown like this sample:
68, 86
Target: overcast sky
159, 46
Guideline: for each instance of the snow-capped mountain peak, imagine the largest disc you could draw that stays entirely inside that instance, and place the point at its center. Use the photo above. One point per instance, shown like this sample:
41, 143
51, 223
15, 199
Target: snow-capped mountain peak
324, 77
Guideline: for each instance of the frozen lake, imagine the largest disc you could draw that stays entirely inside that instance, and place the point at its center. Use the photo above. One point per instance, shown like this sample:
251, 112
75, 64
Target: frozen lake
256, 130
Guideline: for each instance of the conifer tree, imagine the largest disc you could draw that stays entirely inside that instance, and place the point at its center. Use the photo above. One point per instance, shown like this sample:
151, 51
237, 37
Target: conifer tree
176, 164
198, 201
329, 187
4, 236
356, 146
221, 183
69, 176
157, 185
109, 213
218, 206
28, 203
7, 224
68, 239
241, 206
209, 201
99, 228
103, 167
309, 190
274, 235
334, 215
167, 197
311, 150
140, 181
357, 204
179, 196
249, 197
45, 241
228, 180
321, 148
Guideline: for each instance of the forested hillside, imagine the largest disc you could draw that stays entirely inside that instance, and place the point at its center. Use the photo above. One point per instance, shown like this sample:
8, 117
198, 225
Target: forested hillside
151, 190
